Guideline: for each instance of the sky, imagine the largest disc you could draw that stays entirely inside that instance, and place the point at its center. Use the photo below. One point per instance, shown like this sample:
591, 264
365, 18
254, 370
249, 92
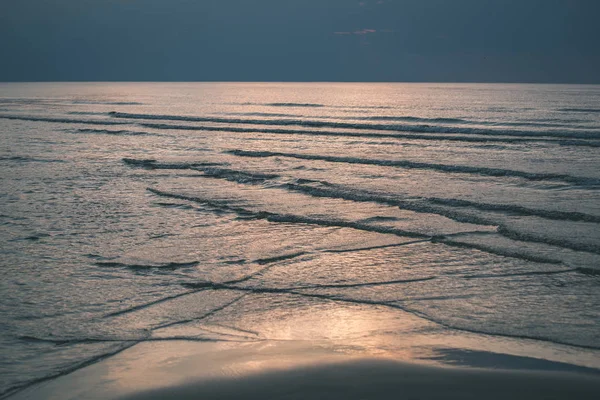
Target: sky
555, 41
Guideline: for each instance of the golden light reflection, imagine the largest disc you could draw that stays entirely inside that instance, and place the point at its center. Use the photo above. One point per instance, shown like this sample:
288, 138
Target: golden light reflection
324, 332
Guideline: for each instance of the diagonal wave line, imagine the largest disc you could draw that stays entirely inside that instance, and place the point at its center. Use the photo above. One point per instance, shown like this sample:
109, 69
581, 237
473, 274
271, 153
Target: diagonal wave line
485, 171
289, 218
330, 190
361, 126
398, 136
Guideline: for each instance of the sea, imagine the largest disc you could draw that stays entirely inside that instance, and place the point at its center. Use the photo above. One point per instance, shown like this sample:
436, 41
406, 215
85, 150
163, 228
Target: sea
136, 212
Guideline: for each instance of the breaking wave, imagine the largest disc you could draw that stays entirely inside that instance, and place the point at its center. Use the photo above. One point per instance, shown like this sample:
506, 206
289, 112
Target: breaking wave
408, 136
581, 110
223, 205
310, 105
61, 120
314, 105
449, 208
115, 132
170, 265
496, 172
581, 134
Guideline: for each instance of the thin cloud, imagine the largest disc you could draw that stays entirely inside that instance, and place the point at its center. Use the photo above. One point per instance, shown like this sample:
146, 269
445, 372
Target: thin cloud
361, 32
364, 31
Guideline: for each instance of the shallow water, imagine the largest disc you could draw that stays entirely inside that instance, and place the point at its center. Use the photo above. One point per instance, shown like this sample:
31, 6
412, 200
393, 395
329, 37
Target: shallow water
132, 212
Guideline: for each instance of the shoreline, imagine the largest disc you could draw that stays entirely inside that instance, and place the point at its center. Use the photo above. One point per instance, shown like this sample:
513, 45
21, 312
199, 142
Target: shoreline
344, 350
302, 369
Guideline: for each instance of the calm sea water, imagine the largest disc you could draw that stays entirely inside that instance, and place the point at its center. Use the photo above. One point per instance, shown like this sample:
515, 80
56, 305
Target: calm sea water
136, 212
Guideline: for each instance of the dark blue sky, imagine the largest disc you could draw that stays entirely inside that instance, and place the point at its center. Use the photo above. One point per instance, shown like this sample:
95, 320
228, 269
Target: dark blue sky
301, 40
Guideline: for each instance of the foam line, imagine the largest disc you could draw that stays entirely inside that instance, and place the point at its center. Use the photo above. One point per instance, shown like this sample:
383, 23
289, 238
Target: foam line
329, 190
519, 210
148, 163
115, 132
559, 242
405, 136
496, 172
383, 246
291, 218
171, 265
594, 134
298, 219
62, 120
558, 123
501, 252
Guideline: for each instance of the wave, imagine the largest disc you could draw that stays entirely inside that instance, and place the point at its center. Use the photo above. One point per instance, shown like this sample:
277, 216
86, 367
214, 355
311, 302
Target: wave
30, 159
115, 133
411, 136
62, 342
86, 113
229, 286
518, 210
170, 265
110, 103
23, 101
558, 242
236, 176
173, 205
498, 124
326, 133
589, 271
422, 205
578, 143
594, 134
369, 248
580, 110
333, 191
496, 172
548, 123
365, 284
29, 101
315, 105
310, 105
260, 114
438, 206
445, 239
290, 218
269, 260
427, 205
410, 118
365, 118
149, 163
61, 120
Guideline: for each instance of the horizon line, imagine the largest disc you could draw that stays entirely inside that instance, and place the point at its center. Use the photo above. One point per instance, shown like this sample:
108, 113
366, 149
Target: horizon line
312, 81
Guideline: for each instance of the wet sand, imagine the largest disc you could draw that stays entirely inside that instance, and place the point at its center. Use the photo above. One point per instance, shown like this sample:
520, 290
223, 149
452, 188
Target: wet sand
302, 369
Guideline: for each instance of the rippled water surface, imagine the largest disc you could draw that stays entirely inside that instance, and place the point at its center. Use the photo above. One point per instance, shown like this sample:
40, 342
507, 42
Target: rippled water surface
137, 212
